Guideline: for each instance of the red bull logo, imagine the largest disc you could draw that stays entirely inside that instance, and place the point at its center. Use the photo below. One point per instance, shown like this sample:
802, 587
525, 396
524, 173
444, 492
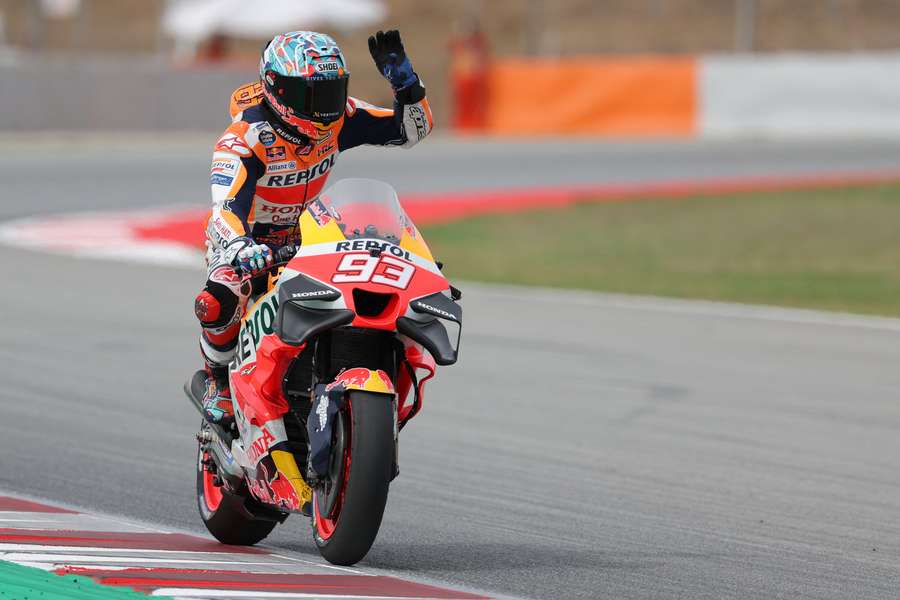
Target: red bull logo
363, 379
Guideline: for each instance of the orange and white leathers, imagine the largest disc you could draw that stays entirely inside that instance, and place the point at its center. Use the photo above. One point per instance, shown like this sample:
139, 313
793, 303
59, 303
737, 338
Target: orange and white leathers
263, 176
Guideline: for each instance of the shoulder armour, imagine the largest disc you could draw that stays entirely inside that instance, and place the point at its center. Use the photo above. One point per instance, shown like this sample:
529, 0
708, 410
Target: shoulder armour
244, 97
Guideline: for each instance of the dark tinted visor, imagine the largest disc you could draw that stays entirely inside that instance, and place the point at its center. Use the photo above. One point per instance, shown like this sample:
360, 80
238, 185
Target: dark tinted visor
322, 100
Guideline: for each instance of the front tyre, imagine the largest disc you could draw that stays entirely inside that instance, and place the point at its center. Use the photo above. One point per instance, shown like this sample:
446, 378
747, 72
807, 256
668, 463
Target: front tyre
221, 512
347, 515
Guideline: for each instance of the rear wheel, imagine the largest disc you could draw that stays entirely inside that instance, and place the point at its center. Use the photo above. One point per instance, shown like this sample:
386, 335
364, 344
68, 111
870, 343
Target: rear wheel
222, 512
347, 511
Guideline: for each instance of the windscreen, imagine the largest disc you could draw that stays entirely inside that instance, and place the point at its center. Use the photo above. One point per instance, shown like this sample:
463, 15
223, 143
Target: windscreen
366, 208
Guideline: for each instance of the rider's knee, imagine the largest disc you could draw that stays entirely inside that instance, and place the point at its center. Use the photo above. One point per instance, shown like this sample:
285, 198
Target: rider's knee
223, 299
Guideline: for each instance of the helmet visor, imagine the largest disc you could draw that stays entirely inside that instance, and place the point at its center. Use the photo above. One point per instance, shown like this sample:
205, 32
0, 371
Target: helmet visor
317, 99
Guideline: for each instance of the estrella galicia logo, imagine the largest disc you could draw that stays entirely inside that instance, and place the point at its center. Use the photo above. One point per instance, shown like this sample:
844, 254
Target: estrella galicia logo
266, 137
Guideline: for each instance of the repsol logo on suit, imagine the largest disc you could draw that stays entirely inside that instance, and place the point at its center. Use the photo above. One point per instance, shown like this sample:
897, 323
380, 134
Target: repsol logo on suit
301, 177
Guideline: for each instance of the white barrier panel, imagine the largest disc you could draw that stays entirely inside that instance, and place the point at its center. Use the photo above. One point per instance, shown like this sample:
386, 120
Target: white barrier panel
800, 95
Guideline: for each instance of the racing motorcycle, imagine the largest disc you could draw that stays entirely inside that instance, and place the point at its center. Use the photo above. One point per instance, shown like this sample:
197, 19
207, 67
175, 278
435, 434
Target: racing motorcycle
331, 363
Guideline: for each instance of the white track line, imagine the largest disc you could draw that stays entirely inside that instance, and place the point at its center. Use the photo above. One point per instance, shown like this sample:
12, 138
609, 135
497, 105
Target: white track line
126, 523
129, 524
12, 547
313, 563
67, 559
29, 521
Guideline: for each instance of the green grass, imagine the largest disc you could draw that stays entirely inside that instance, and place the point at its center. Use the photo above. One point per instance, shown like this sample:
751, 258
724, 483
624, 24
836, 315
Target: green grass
27, 583
829, 249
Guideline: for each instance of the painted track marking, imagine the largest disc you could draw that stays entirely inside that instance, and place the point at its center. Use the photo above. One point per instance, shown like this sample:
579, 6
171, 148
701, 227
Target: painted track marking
120, 553
173, 235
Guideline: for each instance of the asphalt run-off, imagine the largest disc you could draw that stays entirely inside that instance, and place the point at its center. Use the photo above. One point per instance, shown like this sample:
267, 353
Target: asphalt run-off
585, 446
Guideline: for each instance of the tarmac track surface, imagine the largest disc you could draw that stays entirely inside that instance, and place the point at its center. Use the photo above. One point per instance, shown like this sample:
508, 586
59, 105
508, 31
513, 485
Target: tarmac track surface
49, 174
585, 445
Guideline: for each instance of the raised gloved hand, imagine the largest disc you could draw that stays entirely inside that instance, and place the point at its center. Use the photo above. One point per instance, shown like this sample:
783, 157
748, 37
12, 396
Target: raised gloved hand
254, 258
387, 51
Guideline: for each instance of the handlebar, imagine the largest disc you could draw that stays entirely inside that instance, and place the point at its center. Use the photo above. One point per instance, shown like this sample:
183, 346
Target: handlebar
280, 258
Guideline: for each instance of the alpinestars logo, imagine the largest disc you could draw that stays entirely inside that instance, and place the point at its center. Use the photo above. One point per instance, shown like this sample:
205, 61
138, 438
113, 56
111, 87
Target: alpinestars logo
322, 411
232, 143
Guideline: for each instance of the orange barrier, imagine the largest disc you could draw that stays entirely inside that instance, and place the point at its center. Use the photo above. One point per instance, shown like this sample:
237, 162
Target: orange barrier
622, 97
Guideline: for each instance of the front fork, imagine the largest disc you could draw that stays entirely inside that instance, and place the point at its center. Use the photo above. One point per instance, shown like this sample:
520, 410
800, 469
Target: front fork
328, 402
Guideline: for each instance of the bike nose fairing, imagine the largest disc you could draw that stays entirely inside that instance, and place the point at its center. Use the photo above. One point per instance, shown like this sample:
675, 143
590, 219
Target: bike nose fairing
440, 333
362, 255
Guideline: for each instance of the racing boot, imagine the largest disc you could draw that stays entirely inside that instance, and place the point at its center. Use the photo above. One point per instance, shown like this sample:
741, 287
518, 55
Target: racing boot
217, 406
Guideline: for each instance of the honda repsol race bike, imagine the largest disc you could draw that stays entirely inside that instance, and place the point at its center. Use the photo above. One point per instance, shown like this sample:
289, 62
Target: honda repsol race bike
331, 363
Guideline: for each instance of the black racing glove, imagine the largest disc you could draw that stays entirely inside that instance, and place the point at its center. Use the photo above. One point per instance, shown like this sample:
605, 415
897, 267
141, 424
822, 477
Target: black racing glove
390, 58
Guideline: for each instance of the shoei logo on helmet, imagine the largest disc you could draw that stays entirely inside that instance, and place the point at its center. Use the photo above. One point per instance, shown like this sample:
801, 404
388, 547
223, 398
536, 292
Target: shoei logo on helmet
327, 67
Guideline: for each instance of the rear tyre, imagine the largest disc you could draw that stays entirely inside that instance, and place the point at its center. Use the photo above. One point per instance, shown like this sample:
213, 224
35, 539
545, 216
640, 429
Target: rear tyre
223, 513
345, 527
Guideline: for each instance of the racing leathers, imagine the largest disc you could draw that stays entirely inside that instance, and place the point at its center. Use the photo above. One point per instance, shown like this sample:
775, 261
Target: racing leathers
262, 177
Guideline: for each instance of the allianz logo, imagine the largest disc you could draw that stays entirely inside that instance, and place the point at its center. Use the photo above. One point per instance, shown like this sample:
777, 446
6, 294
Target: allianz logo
281, 166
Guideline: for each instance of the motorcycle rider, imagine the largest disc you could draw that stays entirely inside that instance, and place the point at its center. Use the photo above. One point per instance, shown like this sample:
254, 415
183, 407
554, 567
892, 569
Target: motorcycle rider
286, 133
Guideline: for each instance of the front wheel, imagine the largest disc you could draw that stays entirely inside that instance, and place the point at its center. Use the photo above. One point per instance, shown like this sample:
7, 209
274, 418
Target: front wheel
347, 511
221, 511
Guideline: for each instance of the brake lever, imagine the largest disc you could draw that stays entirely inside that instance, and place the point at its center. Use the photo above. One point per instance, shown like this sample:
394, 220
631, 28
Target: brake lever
285, 254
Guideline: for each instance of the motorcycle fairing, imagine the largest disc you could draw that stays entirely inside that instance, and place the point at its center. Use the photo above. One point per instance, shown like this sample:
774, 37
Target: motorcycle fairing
424, 279
255, 385
259, 441
272, 486
300, 286
297, 323
258, 322
314, 294
430, 334
267, 477
418, 360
